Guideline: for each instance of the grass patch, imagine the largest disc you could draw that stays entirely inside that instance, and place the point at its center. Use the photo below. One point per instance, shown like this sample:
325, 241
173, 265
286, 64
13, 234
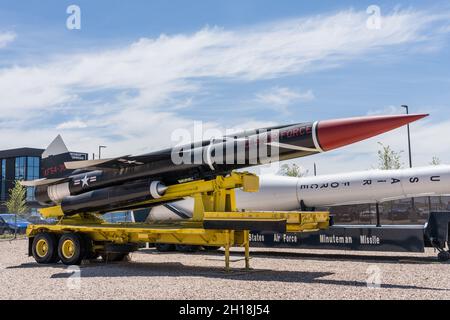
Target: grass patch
11, 237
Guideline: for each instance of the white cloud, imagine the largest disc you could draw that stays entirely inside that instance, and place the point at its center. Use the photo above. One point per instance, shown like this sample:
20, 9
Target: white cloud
137, 84
6, 38
282, 96
75, 124
159, 68
386, 110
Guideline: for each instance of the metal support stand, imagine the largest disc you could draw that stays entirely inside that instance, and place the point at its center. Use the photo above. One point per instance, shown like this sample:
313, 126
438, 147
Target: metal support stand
247, 249
215, 222
227, 252
377, 208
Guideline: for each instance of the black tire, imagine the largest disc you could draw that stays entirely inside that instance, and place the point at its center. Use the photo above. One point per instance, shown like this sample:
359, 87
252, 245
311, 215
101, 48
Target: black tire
92, 256
164, 247
71, 249
48, 255
89, 248
443, 256
115, 257
187, 248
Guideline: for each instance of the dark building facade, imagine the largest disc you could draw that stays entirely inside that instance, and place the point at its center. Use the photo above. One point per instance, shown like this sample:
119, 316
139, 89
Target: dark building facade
19, 164
28, 164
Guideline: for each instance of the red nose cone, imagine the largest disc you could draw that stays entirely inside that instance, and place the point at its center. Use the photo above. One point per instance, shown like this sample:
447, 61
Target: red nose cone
333, 134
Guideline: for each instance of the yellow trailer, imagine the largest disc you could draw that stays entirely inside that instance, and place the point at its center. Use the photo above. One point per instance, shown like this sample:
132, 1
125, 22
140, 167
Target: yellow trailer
215, 222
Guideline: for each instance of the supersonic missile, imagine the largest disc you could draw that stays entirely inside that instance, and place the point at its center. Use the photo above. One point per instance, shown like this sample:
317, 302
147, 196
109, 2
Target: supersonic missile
106, 185
280, 193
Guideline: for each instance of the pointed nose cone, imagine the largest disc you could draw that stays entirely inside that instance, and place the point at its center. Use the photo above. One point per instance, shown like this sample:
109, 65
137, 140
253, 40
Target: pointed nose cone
333, 134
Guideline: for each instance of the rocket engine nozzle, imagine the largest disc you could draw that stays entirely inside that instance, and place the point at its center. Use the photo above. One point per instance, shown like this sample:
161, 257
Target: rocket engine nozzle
157, 189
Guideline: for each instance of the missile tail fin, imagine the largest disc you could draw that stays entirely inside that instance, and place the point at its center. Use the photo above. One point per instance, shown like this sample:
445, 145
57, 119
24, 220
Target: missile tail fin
54, 157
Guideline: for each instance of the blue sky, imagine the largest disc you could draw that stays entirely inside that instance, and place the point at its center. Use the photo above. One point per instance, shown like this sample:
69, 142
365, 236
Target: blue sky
136, 72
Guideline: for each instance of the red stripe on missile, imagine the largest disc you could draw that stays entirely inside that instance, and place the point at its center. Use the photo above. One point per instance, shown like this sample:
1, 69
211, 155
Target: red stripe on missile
333, 134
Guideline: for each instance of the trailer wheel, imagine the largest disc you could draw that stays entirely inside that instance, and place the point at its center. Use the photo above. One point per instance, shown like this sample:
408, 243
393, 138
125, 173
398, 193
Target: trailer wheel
443, 256
115, 257
187, 248
164, 247
211, 248
89, 248
45, 248
71, 249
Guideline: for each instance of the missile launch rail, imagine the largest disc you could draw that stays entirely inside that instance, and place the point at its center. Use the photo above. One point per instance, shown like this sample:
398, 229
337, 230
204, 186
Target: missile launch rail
215, 223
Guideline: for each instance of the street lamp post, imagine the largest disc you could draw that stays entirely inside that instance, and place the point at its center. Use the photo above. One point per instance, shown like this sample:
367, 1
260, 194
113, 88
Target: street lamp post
409, 137
413, 204
100, 151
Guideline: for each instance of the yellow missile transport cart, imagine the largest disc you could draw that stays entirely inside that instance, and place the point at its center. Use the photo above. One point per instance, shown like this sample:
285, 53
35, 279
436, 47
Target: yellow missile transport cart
215, 223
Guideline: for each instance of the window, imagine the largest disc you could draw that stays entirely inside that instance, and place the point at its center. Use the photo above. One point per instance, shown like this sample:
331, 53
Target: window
3, 180
20, 168
32, 168
32, 174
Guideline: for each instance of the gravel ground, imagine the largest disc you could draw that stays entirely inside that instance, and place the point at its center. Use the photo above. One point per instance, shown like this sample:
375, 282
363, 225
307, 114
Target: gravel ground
276, 274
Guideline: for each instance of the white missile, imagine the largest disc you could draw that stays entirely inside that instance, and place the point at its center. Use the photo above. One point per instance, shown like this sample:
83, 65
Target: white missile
280, 193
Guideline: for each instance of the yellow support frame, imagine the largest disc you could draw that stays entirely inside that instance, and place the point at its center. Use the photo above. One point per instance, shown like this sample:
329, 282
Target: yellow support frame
209, 195
214, 200
141, 233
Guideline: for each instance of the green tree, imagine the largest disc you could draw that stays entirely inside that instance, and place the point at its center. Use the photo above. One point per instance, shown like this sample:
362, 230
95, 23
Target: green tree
17, 199
435, 161
292, 170
388, 159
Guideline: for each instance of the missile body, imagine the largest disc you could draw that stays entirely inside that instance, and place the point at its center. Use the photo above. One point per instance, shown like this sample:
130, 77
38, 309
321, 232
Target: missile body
279, 193
111, 198
98, 185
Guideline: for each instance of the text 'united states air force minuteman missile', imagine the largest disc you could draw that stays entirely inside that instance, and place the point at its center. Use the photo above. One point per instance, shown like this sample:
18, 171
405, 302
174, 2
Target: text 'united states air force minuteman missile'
280, 193
114, 184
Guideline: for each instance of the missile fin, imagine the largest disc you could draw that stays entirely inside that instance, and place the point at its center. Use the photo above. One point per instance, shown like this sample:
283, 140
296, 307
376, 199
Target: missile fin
40, 182
99, 163
292, 147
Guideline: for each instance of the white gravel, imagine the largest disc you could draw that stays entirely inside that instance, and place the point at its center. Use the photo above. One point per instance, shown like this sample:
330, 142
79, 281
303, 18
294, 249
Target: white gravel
276, 274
